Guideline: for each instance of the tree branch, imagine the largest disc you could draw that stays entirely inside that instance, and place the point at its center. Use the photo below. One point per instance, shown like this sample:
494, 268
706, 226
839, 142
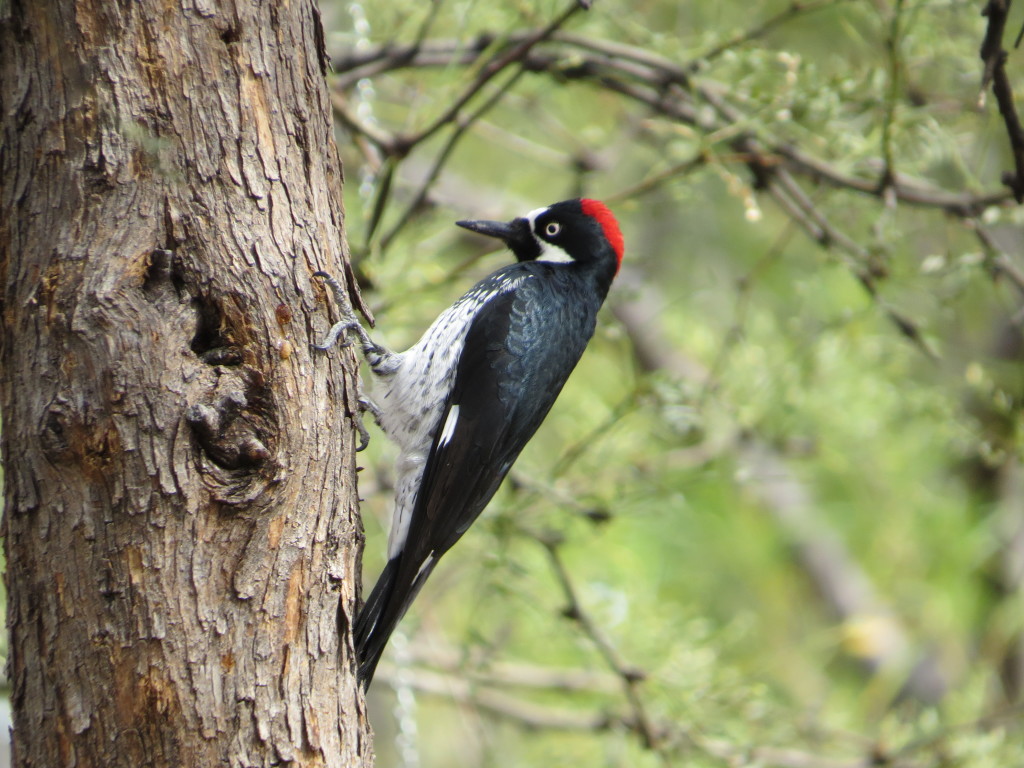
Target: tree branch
645, 77
994, 73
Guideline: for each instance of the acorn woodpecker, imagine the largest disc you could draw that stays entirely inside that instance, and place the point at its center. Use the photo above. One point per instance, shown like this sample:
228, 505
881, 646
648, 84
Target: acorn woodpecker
464, 400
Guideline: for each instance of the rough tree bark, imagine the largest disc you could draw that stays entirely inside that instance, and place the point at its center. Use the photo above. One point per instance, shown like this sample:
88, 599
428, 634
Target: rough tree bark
182, 536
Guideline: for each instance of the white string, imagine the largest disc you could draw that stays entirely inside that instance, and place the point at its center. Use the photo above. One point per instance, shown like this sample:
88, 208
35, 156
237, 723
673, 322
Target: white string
365, 94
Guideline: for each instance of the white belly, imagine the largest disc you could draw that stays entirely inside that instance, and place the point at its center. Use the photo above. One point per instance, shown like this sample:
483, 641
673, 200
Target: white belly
412, 398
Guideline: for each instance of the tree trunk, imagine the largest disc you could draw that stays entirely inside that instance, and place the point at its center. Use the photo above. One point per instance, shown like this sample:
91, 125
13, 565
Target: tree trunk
182, 535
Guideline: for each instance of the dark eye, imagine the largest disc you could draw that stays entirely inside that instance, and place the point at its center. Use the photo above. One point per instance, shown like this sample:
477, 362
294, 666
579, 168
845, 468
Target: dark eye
552, 229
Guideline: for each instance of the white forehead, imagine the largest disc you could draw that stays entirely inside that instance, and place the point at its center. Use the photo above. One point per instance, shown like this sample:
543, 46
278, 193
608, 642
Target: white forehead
532, 215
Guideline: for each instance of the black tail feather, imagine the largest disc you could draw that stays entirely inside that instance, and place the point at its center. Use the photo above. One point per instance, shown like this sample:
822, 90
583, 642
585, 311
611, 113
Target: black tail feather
391, 597
371, 631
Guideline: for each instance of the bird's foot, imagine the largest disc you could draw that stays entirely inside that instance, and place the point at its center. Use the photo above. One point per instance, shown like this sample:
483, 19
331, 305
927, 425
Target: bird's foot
365, 405
377, 356
381, 360
349, 323
341, 330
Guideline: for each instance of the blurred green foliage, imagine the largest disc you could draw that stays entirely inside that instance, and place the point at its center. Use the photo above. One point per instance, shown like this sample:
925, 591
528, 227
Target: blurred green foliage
898, 448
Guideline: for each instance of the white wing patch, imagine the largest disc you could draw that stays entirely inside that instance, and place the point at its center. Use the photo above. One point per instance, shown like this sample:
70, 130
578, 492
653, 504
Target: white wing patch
449, 426
426, 564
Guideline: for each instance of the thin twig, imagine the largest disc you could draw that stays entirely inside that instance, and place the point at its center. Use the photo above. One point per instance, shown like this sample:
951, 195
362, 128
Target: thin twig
744, 285
502, 704
630, 676
786, 14
657, 180
892, 46
488, 72
994, 73
378, 136
461, 127
569, 457
999, 261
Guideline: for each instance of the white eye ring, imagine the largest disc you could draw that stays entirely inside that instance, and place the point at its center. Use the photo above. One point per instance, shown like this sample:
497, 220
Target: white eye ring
552, 229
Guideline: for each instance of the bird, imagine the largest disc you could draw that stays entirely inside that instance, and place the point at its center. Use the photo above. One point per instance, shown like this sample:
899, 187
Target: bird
462, 403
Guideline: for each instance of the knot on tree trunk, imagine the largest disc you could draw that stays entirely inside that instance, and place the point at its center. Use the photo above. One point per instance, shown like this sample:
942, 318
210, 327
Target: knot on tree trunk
235, 429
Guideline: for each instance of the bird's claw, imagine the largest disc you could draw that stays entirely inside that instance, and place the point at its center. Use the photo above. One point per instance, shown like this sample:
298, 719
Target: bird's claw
364, 435
365, 404
340, 330
348, 323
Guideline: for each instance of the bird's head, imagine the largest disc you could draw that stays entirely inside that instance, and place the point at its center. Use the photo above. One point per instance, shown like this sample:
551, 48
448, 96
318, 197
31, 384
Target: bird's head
576, 231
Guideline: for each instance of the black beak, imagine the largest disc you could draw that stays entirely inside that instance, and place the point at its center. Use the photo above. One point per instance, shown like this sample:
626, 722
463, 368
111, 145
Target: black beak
503, 230
515, 234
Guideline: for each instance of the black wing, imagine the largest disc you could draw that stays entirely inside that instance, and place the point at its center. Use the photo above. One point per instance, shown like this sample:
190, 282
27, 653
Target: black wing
512, 369
515, 360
